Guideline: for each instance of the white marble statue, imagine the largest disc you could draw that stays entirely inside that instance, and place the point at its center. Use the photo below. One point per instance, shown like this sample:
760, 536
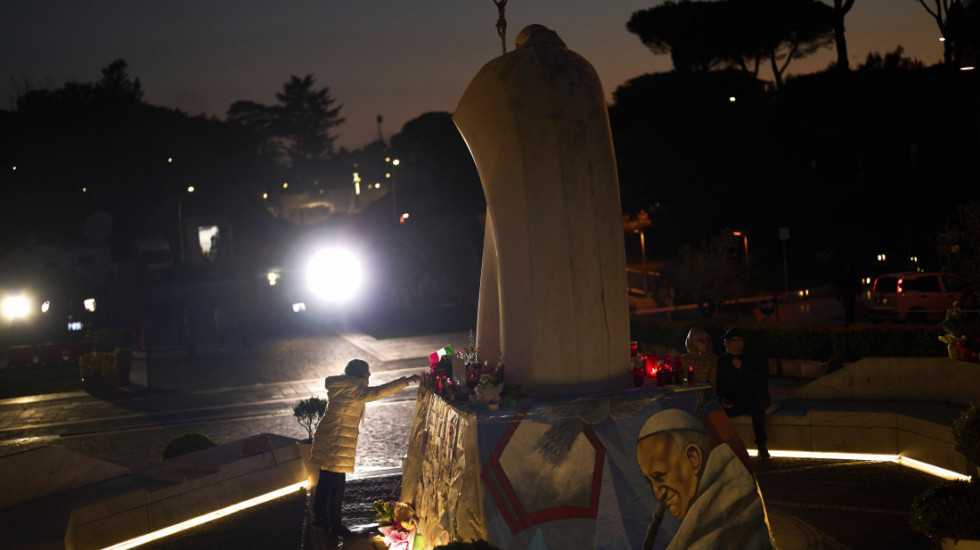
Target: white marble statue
553, 302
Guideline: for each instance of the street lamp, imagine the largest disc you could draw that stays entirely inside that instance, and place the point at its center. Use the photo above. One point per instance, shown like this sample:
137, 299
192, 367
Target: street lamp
745, 241
643, 253
394, 205
180, 220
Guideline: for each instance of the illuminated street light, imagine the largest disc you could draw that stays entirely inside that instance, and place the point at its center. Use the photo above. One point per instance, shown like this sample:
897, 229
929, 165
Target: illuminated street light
180, 219
394, 187
745, 241
16, 307
334, 275
403, 218
643, 253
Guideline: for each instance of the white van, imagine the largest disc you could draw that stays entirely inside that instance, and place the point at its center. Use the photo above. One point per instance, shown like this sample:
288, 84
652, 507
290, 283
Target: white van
914, 296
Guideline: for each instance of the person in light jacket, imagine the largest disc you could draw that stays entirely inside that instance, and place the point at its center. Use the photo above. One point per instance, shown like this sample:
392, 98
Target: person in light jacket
335, 438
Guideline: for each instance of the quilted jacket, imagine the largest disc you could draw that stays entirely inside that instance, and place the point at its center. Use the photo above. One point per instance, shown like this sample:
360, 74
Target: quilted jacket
335, 438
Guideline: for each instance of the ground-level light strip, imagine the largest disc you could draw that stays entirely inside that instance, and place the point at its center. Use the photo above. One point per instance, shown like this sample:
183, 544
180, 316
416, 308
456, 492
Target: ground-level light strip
210, 516
897, 459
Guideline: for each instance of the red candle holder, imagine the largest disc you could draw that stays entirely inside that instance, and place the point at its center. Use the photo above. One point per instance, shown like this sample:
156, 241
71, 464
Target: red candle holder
638, 375
650, 366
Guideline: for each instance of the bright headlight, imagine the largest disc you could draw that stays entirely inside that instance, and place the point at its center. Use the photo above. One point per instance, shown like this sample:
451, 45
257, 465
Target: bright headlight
16, 307
334, 275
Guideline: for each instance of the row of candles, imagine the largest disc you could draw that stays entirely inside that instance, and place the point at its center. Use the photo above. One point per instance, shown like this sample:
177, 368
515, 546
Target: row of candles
439, 377
667, 372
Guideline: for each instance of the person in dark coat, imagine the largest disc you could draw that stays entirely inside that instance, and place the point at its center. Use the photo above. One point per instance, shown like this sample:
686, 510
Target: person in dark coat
848, 288
743, 385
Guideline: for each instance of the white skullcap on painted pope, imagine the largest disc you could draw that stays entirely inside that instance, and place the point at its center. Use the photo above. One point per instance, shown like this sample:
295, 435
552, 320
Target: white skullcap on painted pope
670, 419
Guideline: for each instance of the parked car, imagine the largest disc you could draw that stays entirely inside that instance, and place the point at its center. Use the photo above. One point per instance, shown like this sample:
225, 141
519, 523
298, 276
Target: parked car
917, 297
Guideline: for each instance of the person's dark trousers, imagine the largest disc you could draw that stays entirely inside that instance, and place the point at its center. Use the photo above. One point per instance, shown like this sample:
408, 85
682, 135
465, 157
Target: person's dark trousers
756, 408
328, 500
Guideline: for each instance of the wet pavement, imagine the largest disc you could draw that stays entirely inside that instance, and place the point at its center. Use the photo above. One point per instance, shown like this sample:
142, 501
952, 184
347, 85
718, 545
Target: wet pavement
811, 503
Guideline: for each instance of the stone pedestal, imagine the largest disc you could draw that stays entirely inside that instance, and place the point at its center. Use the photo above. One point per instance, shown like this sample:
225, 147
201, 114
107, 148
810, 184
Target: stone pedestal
563, 473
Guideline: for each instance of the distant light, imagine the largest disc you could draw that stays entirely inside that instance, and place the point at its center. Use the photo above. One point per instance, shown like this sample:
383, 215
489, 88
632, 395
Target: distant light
388, 175
170, 160
377, 185
16, 307
914, 259
84, 189
396, 162
737, 233
190, 188
881, 257
75, 326
299, 307
403, 218
285, 184
387, 159
357, 188
272, 277
14, 168
966, 68
89, 304
731, 99
334, 275
265, 196
45, 306
942, 38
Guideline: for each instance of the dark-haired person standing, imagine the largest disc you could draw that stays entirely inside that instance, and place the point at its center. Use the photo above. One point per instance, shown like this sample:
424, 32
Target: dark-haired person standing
743, 385
335, 438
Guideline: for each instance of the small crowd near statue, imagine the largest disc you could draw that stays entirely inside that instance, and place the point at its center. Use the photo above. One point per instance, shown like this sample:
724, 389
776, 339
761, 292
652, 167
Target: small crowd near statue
739, 377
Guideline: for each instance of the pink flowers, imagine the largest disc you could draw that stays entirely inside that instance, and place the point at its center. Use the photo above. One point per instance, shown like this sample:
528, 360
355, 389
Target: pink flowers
400, 535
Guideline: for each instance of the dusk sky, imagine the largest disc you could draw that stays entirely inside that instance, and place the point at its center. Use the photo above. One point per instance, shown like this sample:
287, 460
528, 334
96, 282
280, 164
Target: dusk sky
395, 58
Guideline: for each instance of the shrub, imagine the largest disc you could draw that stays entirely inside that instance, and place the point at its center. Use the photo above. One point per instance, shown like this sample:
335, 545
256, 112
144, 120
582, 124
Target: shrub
308, 412
93, 366
966, 431
810, 342
948, 510
187, 443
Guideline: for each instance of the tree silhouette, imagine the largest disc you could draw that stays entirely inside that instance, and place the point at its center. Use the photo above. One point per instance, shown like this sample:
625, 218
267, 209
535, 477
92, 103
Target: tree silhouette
841, 7
702, 36
697, 35
959, 24
298, 129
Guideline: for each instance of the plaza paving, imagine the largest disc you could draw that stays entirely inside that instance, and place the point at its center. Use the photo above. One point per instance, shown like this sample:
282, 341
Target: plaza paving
810, 503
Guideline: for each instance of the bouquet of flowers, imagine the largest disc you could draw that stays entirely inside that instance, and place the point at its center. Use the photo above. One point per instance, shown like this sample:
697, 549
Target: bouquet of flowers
384, 512
401, 531
469, 354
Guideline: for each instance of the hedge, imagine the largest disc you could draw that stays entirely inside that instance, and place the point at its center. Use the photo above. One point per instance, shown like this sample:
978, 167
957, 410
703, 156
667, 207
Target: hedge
808, 342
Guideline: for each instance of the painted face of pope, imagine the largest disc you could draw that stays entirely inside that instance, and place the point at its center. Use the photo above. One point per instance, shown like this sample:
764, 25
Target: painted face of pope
673, 472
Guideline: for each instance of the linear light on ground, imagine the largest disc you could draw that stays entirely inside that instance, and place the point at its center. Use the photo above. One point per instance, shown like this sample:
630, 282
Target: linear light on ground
930, 469
211, 516
897, 459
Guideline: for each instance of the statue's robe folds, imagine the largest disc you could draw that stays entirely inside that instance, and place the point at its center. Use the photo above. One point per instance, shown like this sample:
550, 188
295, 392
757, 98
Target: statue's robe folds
553, 303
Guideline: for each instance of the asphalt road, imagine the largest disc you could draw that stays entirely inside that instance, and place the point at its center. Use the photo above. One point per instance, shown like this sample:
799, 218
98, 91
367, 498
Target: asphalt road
226, 395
